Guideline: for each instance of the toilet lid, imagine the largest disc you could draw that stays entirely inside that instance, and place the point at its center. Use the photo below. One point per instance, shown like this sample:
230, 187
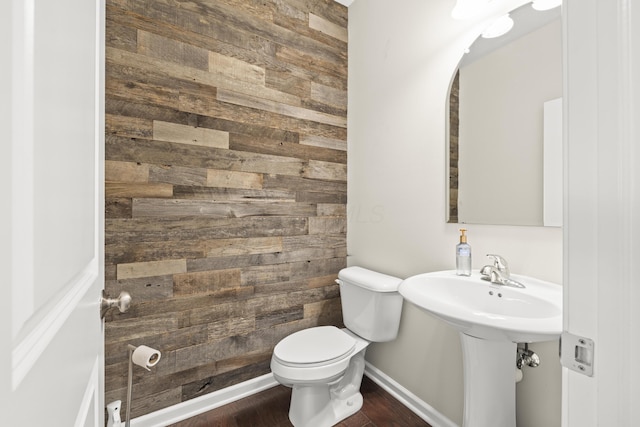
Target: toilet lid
320, 345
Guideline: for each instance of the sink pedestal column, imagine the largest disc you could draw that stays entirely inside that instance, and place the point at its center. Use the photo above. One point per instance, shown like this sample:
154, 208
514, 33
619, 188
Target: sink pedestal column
489, 382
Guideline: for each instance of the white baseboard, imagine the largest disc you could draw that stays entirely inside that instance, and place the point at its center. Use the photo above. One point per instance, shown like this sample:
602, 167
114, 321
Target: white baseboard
202, 404
205, 403
407, 398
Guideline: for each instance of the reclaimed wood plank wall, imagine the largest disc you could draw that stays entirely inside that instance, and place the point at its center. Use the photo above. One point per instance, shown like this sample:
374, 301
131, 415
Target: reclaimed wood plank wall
454, 125
225, 186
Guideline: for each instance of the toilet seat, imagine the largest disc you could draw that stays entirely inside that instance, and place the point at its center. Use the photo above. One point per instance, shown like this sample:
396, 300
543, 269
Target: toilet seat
322, 345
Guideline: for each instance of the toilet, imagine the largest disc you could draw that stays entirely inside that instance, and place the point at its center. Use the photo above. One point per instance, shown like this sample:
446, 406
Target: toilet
324, 365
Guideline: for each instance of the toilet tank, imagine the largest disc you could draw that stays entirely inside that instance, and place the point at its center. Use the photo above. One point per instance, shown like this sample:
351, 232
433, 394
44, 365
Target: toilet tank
371, 304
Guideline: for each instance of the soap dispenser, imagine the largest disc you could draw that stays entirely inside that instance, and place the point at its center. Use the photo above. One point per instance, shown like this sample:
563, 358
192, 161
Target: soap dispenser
463, 255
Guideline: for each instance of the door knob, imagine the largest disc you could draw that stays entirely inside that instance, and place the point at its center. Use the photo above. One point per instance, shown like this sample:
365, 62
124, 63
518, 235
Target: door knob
123, 302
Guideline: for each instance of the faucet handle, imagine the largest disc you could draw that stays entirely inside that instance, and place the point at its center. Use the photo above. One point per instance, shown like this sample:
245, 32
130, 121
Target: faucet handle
500, 263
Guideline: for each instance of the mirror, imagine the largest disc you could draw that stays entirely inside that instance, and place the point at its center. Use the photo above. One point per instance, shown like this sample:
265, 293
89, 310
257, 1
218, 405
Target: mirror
499, 172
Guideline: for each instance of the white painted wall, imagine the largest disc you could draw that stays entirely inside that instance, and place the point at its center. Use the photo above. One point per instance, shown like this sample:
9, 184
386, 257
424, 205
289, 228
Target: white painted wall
401, 59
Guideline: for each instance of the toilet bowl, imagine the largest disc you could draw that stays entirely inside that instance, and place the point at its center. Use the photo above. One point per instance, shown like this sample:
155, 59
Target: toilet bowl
326, 389
324, 365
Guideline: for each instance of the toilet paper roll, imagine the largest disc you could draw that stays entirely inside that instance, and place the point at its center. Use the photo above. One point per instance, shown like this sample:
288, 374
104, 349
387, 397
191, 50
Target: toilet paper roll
145, 356
518, 375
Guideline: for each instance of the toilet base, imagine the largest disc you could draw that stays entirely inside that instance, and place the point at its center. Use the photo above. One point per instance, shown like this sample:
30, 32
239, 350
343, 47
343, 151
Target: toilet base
313, 407
325, 405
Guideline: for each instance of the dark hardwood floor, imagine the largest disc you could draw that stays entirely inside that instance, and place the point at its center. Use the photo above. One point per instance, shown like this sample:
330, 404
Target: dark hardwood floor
270, 408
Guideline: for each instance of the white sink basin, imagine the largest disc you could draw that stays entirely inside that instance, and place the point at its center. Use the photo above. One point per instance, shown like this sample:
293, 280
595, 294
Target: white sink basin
488, 311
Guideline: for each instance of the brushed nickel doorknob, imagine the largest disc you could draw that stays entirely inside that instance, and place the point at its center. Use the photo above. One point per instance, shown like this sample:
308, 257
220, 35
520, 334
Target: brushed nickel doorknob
123, 302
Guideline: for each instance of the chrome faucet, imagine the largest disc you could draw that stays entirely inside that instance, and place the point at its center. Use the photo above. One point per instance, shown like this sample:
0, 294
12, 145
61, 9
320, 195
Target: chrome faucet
499, 273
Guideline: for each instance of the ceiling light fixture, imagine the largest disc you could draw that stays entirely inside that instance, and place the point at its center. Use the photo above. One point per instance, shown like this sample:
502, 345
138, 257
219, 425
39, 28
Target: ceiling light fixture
545, 4
468, 9
499, 27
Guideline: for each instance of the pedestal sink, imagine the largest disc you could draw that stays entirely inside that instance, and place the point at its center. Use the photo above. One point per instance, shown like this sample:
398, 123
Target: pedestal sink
491, 320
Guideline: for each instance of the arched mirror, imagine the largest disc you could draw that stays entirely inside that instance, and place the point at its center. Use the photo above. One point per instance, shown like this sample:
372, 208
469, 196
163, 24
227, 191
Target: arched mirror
505, 126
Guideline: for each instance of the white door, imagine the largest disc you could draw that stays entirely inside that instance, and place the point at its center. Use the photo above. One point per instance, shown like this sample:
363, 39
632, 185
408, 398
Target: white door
602, 210
51, 217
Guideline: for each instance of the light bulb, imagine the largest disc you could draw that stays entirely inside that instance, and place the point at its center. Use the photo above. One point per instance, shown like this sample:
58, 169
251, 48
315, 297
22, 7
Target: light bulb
468, 9
545, 4
499, 27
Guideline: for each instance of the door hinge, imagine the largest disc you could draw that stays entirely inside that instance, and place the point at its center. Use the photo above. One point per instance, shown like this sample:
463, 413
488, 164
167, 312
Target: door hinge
577, 353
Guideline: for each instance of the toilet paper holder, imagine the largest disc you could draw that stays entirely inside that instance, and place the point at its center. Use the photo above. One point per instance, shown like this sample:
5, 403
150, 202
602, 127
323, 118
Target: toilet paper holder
145, 357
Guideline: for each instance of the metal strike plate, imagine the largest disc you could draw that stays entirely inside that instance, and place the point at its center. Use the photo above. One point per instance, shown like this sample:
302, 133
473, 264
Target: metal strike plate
577, 353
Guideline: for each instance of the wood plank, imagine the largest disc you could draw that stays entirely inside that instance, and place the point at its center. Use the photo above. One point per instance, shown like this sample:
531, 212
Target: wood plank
135, 189
332, 11
329, 95
253, 130
283, 148
177, 175
222, 380
152, 229
129, 108
117, 207
320, 197
246, 100
327, 27
325, 170
168, 153
120, 35
329, 310
160, 47
306, 255
142, 288
297, 57
151, 268
263, 274
318, 241
327, 225
319, 141
233, 179
232, 194
286, 81
141, 91
233, 247
281, 301
322, 281
126, 172
211, 106
278, 317
236, 69
128, 252
221, 81
332, 209
318, 267
173, 132
135, 328
148, 207
304, 184
205, 281
132, 127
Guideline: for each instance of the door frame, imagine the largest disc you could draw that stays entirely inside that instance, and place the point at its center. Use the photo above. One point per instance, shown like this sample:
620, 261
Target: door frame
602, 208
